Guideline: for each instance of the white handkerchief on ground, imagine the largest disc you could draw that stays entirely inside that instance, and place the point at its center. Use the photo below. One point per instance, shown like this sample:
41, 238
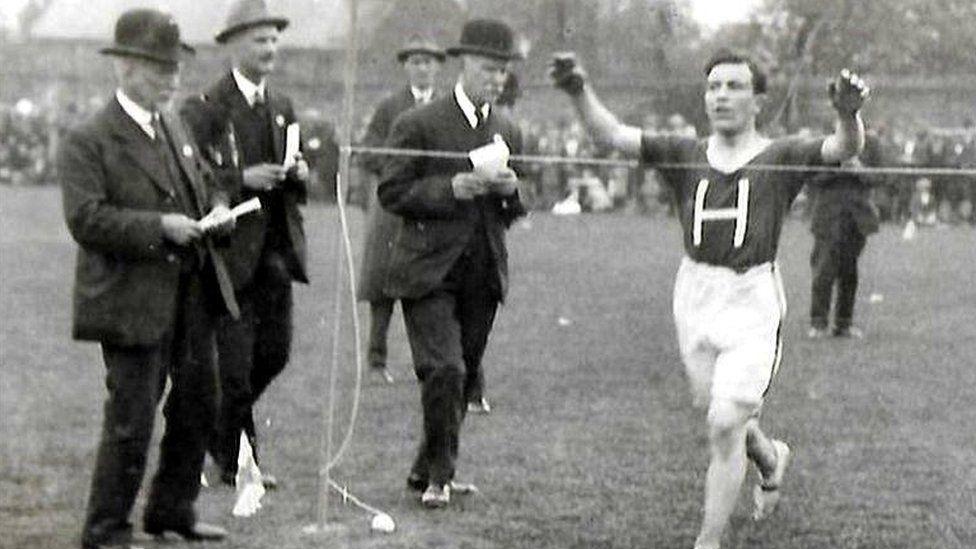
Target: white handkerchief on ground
491, 158
250, 487
292, 135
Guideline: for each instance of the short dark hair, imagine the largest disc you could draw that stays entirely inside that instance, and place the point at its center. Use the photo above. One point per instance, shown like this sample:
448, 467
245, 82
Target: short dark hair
727, 56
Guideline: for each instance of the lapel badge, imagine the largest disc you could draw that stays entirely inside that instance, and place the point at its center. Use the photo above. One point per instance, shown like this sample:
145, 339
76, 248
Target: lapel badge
280, 121
187, 151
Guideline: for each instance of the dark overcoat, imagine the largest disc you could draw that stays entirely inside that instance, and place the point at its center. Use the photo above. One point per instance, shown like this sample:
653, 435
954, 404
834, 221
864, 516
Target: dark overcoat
382, 225
436, 226
209, 117
114, 194
842, 201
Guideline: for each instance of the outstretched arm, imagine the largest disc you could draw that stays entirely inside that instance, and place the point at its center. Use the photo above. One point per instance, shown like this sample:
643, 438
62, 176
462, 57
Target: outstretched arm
848, 94
568, 75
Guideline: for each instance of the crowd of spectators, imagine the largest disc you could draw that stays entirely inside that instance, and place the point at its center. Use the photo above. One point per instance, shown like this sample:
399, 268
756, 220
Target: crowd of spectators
27, 137
29, 134
928, 199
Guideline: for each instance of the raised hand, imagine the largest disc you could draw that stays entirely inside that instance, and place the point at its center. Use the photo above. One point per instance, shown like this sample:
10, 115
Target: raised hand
848, 92
566, 73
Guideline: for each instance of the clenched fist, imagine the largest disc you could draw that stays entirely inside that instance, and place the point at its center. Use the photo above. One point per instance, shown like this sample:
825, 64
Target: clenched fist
848, 92
566, 73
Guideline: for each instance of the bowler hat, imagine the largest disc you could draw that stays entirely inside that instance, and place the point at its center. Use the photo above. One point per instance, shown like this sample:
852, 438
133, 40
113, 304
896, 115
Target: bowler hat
246, 14
487, 37
148, 34
420, 44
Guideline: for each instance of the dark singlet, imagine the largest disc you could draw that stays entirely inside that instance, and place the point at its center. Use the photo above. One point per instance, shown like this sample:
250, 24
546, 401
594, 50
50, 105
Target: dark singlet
732, 219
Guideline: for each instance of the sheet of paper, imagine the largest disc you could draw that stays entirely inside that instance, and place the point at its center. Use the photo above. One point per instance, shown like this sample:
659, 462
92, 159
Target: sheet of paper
292, 135
491, 158
243, 208
247, 207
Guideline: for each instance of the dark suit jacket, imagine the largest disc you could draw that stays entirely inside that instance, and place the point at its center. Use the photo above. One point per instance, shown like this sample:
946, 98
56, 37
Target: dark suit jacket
437, 227
382, 122
127, 274
209, 117
841, 201
383, 225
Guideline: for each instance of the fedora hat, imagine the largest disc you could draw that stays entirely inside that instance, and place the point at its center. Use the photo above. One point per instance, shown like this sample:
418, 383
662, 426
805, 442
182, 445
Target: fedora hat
246, 14
420, 44
148, 34
487, 37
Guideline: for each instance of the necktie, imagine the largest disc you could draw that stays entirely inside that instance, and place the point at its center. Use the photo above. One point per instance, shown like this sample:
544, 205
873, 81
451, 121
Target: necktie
157, 127
258, 100
479, 116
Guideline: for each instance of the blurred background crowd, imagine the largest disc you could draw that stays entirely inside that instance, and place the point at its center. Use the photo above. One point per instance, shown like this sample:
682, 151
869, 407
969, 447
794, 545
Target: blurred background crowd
29, 134
918, 60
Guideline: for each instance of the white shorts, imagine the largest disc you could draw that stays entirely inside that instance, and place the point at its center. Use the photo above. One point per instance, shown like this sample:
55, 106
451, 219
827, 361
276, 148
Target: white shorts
729, 330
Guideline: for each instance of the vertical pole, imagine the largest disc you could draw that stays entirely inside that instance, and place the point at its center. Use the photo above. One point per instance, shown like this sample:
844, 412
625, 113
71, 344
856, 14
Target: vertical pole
325, 449
345, 141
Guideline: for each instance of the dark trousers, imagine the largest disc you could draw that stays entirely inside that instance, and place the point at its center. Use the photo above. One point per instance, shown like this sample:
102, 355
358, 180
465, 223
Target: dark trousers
135, 380
380, 312
252, 351
834, 261
448, 331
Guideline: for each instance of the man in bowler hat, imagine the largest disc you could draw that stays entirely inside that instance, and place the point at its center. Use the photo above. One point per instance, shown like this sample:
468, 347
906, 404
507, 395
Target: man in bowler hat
149, 284
449, 264
421, 60
241, 125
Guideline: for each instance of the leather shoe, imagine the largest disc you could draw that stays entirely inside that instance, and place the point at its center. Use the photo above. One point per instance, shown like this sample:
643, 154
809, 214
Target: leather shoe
121, 539
129, 542
435, 497
198, 531
480, 407
419, 484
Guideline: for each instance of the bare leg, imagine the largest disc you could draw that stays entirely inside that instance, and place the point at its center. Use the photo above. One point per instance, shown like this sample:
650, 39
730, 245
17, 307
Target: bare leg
760, 448
727, 422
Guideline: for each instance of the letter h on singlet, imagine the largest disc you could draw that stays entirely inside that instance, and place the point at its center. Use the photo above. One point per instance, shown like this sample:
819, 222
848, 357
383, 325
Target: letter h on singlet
740, 213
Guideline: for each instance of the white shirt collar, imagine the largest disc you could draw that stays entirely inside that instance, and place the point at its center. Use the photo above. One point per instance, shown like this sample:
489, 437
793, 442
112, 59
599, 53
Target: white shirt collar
422, 96
136, 112
247, 88
467, 107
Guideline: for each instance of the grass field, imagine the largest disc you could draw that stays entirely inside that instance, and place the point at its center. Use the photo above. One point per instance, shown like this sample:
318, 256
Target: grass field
592, 443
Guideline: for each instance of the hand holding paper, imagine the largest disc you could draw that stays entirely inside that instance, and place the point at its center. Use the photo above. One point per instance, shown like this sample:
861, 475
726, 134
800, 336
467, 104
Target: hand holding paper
263, 177
491, 158
504, 182
299, 169
467, 185
220, 220
221, 215
292, 142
